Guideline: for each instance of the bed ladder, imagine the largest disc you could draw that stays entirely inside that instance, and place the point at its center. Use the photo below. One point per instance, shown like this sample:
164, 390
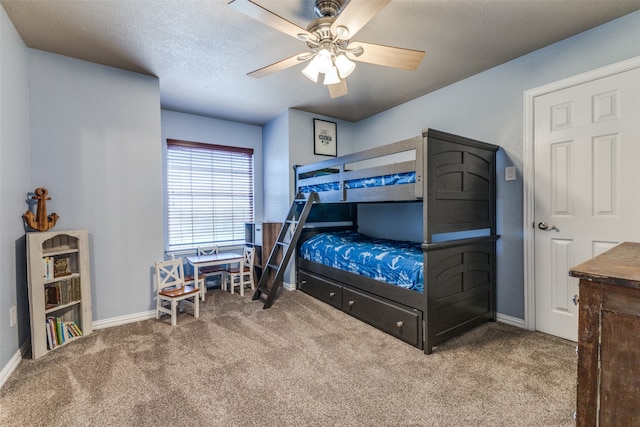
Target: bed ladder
285, 245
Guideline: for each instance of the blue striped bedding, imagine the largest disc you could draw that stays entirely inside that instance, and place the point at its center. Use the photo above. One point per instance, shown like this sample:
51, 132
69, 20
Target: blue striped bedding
395, 262
377, 181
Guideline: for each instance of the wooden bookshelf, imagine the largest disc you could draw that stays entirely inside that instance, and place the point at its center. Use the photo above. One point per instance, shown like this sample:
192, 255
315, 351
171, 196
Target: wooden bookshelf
58, 271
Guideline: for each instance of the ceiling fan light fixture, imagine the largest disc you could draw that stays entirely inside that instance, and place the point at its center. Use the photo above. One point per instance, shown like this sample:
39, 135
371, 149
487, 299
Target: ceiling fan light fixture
311, 72
331, 77
322, 61
344, 65
342, 32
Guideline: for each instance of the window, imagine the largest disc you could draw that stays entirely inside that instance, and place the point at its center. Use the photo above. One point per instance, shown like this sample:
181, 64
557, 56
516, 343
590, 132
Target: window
209, 194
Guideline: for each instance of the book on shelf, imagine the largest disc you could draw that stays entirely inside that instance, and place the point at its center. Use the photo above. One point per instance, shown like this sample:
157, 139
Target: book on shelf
62, 292
73, 329
56, 266
50, 341
48, 267
59, 331
51, 295
61, 266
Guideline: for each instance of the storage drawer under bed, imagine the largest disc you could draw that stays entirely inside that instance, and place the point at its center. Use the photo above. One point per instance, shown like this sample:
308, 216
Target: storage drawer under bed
321, 289
394, 319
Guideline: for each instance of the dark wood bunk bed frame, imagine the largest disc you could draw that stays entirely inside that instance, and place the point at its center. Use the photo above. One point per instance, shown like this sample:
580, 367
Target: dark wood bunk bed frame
456, 183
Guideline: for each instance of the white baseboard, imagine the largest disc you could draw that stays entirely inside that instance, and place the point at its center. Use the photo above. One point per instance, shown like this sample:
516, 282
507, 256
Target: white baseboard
289, 286
513, 321
13, 363
145, 315
123, 320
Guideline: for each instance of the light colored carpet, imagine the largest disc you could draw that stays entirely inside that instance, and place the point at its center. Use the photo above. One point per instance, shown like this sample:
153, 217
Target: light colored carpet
299, 363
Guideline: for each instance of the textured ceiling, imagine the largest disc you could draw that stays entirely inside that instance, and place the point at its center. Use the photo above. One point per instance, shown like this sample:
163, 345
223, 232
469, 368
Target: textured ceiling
202, 50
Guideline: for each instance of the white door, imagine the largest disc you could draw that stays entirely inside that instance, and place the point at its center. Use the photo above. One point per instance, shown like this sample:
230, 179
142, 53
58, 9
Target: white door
587, 186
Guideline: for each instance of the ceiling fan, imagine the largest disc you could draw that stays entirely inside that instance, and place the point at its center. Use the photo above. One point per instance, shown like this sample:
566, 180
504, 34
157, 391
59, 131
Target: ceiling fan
328, 38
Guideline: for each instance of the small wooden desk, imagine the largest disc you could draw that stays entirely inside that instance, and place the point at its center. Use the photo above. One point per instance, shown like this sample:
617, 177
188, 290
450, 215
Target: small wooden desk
608, 392
199, 261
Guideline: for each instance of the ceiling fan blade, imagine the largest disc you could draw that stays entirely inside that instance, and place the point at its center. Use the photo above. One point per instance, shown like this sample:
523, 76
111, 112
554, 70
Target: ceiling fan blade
277, 66
339, 89
388, 56
356, 15
257, 12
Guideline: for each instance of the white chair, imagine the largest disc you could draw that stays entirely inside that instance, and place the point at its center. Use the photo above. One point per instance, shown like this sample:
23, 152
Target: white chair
172, 290
188, 280
215, 270
242, 275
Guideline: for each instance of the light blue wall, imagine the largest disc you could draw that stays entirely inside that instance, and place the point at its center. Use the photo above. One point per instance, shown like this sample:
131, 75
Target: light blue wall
381, 220
14, 182
301, 146
288, 141
95, 144
187, 127
275, 142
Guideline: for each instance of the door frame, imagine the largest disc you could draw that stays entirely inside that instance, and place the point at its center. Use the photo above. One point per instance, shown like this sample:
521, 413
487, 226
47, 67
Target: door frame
528, 172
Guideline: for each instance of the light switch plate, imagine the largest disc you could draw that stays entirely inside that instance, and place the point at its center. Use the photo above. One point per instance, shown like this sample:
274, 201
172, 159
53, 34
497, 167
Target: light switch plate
13, 316
510, 173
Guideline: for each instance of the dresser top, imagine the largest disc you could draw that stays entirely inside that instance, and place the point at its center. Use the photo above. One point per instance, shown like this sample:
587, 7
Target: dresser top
619, 265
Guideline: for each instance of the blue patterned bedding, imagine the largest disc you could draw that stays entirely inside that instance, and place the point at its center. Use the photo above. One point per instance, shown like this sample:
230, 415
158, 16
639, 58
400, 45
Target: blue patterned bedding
376, 181
396, 262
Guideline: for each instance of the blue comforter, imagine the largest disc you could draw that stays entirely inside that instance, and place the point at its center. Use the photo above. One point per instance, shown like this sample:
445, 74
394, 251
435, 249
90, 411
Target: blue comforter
390, 261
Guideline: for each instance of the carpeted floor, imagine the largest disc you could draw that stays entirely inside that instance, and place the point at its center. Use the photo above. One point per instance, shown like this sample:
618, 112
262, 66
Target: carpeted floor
299, 363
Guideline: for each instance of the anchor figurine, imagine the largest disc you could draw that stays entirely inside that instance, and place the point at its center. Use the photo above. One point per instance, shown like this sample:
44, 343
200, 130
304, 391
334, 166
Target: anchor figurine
41, 221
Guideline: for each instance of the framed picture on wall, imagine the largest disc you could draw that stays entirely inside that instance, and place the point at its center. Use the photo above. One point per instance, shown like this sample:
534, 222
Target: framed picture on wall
325, 138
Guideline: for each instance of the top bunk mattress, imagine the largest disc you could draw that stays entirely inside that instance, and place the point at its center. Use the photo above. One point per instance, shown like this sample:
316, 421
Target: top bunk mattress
399, 263
376, 181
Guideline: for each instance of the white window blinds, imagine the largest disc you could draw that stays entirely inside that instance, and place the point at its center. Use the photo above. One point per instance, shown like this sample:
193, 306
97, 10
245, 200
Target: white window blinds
209, 194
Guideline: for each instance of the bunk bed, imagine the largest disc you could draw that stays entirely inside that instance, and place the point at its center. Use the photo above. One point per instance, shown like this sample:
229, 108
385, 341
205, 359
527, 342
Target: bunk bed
454, 179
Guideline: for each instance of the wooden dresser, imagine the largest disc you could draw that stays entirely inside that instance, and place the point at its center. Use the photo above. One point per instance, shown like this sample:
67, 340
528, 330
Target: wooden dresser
609, 338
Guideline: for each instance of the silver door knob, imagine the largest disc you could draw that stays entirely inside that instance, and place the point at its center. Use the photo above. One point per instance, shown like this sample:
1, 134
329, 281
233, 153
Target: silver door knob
547, 227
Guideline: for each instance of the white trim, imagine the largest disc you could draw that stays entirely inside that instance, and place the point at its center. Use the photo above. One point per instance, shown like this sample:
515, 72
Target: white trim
529, 172
288, 286
513, 321
123, 320
146, 315
10, 367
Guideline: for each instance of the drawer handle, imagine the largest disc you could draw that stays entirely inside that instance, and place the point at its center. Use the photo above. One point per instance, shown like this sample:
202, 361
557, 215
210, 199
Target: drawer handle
351, 302
400, 324
575, 299
332, 294
304, 282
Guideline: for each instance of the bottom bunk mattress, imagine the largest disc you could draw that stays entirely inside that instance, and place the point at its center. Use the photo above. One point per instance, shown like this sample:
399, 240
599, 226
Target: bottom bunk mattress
399, 263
